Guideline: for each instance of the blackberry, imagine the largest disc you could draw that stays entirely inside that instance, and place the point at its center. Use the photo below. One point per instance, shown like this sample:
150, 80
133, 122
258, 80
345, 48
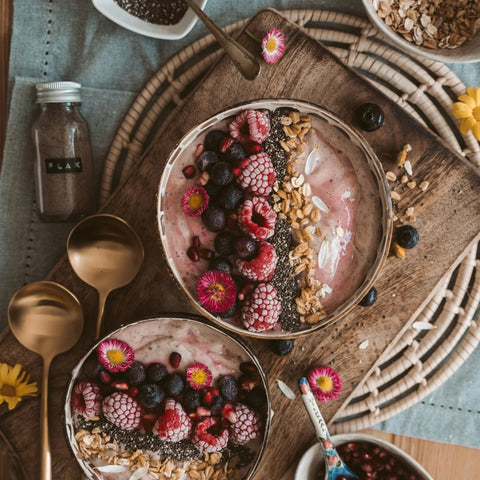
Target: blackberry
370, 298
214, 218
235, 153
150, 395
91, 367
245, 247
228, 388
173, 384
222, 264
229, 197
282, 347
221, 174
136, 373
256, 398
217, 405
212, 190
223, 243
369, 116
207, 160
156, 372
213, 139
190, 399
407, 236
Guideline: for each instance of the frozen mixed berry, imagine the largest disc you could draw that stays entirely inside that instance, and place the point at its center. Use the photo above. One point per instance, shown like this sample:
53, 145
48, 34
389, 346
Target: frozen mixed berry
216, 291
256, 398
221, 174
227, 386
122, 410
245, 247
282, 347
406, 236
250, 126
174, 359
115, 355
195, 201
235, 152
261, 310
91, 367
175, 424
150, 395
156, 372
223, 243
222, 264
257, 218
247, 427
370, 298
209, 435
199, 376
136, 374
262, 267
258, 176
173, 384
213, 139
214, 218
207, 160
369, 116
191, 399
229, 197
86, 399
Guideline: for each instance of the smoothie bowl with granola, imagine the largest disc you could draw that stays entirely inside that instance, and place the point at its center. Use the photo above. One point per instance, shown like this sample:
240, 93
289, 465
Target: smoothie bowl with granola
274, 217
168, 397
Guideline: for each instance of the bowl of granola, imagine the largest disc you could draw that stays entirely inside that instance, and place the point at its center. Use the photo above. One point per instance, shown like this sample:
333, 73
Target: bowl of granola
274, 217
445, 31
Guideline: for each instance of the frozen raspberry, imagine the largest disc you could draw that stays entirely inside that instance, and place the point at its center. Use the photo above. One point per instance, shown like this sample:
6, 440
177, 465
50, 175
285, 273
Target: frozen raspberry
246, 427
262, 267
250, 126
86, 399
261, 310
209, 435
257, 218
175, 424
258, 176
122, 410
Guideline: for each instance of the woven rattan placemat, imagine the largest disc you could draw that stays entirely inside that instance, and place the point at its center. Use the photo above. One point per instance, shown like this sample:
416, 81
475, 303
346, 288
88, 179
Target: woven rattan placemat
421, 360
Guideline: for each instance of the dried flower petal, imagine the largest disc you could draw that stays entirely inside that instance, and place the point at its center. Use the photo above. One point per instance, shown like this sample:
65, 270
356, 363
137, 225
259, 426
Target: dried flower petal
139, 473
111, 468
312, 160
286, 390
323, 253
320, 204
363, 345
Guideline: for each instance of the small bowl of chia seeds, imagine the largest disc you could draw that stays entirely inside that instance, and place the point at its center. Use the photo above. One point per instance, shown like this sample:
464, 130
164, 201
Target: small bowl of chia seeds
165, 19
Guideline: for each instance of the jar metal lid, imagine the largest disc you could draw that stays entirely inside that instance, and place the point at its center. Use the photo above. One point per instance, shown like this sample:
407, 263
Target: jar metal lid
58, 92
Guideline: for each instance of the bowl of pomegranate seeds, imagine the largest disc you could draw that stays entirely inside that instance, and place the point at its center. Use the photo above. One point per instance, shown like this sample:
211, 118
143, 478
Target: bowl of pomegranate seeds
274, 217
369, 457
168, 397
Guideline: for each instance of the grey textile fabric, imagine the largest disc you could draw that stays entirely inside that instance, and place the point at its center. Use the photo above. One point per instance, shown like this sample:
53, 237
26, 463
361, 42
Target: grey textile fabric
70, 40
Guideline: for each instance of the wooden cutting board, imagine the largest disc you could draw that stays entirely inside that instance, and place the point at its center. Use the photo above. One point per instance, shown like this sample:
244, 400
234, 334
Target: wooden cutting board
448, 219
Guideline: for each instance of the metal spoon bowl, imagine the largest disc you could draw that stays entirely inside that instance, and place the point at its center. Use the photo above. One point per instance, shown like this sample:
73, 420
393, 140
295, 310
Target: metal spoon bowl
47, 319
105, 253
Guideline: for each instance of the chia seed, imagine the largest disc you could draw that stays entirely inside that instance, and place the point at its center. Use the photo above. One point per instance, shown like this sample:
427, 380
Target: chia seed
160, 12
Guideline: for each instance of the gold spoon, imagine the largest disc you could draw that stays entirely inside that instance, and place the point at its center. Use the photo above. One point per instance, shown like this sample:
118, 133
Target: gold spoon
47, 319
245, 62
105, 253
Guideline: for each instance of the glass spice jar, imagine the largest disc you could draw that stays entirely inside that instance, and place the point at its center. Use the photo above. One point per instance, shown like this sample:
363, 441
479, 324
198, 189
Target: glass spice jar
63, 157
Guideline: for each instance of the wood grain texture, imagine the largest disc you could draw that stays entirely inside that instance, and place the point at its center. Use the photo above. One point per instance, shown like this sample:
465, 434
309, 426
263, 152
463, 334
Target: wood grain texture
307, 72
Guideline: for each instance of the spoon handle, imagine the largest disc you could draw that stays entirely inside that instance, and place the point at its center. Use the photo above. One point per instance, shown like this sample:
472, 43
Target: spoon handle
102, 298
245, 62
46, 463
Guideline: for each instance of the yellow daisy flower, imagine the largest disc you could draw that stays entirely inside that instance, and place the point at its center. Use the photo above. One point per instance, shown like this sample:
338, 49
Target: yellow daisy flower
14, 385
468, 110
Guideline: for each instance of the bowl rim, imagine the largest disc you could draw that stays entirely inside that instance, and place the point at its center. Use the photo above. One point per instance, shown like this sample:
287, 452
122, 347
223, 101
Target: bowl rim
115, 13
375, 167
69, 429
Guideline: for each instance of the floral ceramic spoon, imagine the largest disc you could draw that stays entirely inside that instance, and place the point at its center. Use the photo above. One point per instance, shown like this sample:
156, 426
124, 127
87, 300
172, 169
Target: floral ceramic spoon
335, 468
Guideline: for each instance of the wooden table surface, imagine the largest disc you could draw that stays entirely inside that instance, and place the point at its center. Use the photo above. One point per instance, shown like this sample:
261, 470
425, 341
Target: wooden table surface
444, 462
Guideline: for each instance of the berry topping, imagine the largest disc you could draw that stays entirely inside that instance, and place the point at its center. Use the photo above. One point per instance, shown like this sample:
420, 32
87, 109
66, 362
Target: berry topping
119, 385
227, 386
222, 264
370, 117
282, 347
209, 394
257, 398
206, 254
245, 248
216, 291
229, 198
214, 218
258, 176
247, 426
91, 367
189, 171
199, 376
174, 359
196, 242
262, 267
207, 160
191, 399
213, 139
226, 143
407, 236
150, 395
122, 410
136, 373
223, 243
228, 413
173, 384
250, 126
257, 218
115, 355
195, 201
370, 298
220, 174
192, 254
261, 310
235, 152
86, 399
209, 435
175, 424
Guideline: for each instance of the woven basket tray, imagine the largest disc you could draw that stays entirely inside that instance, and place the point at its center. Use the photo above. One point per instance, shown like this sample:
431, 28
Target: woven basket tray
421, 360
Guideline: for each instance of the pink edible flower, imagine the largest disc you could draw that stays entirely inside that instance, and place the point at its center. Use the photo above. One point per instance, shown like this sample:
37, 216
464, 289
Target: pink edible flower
199, 376
325, 383
115, 355
273, 45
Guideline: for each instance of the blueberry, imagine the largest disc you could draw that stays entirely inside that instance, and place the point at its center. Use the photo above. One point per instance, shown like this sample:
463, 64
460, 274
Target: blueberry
370, 298
136, 373
213, 190
229, 197
227, 386
150, 395
245, 248
190, 399
217, 405
369, 116
173, 384
230, 313
223, 243
235, 153
156, 372
214, 218
222, 264
282, 347
221, 174
213, 139
256, 398
407, 236
207, 160
91, 367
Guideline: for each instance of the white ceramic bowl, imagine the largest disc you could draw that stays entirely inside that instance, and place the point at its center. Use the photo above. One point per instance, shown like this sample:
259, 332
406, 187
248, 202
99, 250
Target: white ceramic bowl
167, 32
469, 52
312, 459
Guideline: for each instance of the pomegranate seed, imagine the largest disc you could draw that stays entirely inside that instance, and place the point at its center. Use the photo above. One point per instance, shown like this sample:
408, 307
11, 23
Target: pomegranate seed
225, 144
366, 456
245, 290
189, 171
104, 377
236, 172
196, 242
175, 359
122, 386
206, 253
229, 413
193, 254
133, 391
254, 148
199, 150
203, 412
367, 468
242, 163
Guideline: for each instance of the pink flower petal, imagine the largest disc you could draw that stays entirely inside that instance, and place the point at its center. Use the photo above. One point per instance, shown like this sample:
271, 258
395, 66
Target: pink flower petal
273, 45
